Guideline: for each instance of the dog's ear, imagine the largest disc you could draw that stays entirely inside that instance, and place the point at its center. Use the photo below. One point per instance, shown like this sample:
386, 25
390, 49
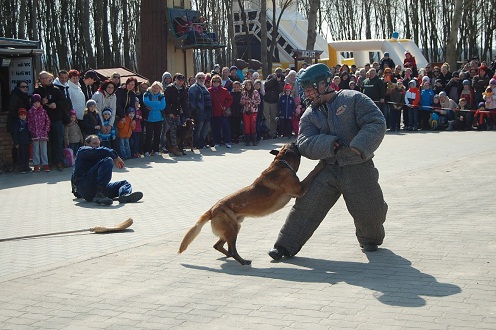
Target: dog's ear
274, 152
293, 147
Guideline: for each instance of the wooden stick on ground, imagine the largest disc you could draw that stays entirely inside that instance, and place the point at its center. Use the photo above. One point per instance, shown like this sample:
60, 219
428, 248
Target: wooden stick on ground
99, 230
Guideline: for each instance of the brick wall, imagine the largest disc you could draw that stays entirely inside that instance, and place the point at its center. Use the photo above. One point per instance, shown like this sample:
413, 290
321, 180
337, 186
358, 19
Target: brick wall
5, 142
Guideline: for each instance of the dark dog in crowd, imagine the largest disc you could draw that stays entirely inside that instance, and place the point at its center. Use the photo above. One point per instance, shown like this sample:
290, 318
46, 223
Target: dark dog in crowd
273, 189
184, 136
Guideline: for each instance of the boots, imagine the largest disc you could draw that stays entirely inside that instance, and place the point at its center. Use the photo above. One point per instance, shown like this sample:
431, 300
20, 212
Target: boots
254, 139
175, 152
451, 123
101, 198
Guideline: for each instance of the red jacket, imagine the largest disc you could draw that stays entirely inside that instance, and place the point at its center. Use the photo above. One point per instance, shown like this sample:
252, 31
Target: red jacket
412, 96
221, 98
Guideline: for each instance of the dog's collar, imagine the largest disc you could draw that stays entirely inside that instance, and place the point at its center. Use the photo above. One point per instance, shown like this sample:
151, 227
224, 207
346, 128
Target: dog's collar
287, 164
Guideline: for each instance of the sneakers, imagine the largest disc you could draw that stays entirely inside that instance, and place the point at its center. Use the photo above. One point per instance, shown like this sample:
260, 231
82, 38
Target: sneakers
131, 198
37, 168
369, 247
46, 168
147, 154
228, 145
100, 198
277, 252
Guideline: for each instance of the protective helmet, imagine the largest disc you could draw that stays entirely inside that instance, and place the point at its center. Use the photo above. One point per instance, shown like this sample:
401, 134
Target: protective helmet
314, 74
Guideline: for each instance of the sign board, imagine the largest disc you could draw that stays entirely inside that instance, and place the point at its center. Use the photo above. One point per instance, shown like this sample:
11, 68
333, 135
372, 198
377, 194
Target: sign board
308, 53
21, 69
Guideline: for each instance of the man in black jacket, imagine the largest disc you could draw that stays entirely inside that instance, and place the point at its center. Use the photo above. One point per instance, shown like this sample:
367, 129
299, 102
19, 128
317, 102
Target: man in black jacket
92, 173
274, 86
375, 88
55, 104
89, 84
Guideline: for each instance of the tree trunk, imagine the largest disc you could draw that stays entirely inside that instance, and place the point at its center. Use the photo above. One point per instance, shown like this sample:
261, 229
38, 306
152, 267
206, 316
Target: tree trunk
314, 6
451, 49
263, 38
246, 29
114, 24
21, 25
126, 25
366, 9
98, 23
88, 48
64, 42
107, 51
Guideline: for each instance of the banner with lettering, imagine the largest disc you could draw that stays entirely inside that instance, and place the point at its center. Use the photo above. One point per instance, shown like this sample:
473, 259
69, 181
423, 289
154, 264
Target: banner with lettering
21, 69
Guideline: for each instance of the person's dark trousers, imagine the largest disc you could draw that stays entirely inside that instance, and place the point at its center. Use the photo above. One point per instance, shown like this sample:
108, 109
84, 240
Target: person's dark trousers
200, 133
99, 176
56, 143
406, 121
286, 127
23, 160
142, 138
259, 125
386, 111
468, 118
395, 120
221, 130
134, 141
235, 123
424, 119
74, 147
115, 145
15, 157
106, 143
153, 130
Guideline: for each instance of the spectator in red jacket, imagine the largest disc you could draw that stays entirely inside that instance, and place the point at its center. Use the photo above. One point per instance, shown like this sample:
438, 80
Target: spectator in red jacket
221, 99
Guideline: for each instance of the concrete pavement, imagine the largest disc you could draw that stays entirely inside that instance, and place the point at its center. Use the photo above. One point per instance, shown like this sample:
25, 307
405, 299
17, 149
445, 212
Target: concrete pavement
436, 269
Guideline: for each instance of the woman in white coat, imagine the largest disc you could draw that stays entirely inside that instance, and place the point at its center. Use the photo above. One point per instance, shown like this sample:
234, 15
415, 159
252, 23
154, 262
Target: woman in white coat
76, 94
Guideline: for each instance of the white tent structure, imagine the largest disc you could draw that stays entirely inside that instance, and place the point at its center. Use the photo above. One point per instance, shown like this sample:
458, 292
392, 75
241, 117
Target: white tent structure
361, 49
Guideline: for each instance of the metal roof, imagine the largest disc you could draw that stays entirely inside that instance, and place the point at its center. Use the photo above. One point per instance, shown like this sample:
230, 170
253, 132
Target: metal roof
123, 72
9, 46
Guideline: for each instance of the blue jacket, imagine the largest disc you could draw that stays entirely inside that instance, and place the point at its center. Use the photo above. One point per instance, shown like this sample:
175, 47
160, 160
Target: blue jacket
156, 103
20, 132
426, 97
110, 136
87, 157
200, 102
286, 107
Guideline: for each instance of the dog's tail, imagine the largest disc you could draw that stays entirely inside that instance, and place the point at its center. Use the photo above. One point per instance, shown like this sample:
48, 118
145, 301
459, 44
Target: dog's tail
195, 230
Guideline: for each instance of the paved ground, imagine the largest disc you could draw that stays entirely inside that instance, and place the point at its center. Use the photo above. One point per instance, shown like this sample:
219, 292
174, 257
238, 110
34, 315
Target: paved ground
436, 269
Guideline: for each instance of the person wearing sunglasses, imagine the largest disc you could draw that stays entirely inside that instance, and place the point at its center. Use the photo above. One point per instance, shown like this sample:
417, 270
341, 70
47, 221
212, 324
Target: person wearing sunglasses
19, 98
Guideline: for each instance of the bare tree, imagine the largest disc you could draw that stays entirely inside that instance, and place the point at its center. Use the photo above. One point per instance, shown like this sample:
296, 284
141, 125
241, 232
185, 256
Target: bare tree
283, 5
313, 7
451, 43
263, 38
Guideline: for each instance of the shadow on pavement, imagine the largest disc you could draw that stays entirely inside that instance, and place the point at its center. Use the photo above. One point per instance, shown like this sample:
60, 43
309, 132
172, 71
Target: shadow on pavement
394, 279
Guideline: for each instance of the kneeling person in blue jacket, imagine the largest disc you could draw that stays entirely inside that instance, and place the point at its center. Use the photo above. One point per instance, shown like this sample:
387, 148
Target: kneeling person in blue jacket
92, 173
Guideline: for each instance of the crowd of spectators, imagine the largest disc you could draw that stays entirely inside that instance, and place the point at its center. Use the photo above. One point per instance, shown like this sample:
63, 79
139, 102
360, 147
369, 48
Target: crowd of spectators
229, 105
